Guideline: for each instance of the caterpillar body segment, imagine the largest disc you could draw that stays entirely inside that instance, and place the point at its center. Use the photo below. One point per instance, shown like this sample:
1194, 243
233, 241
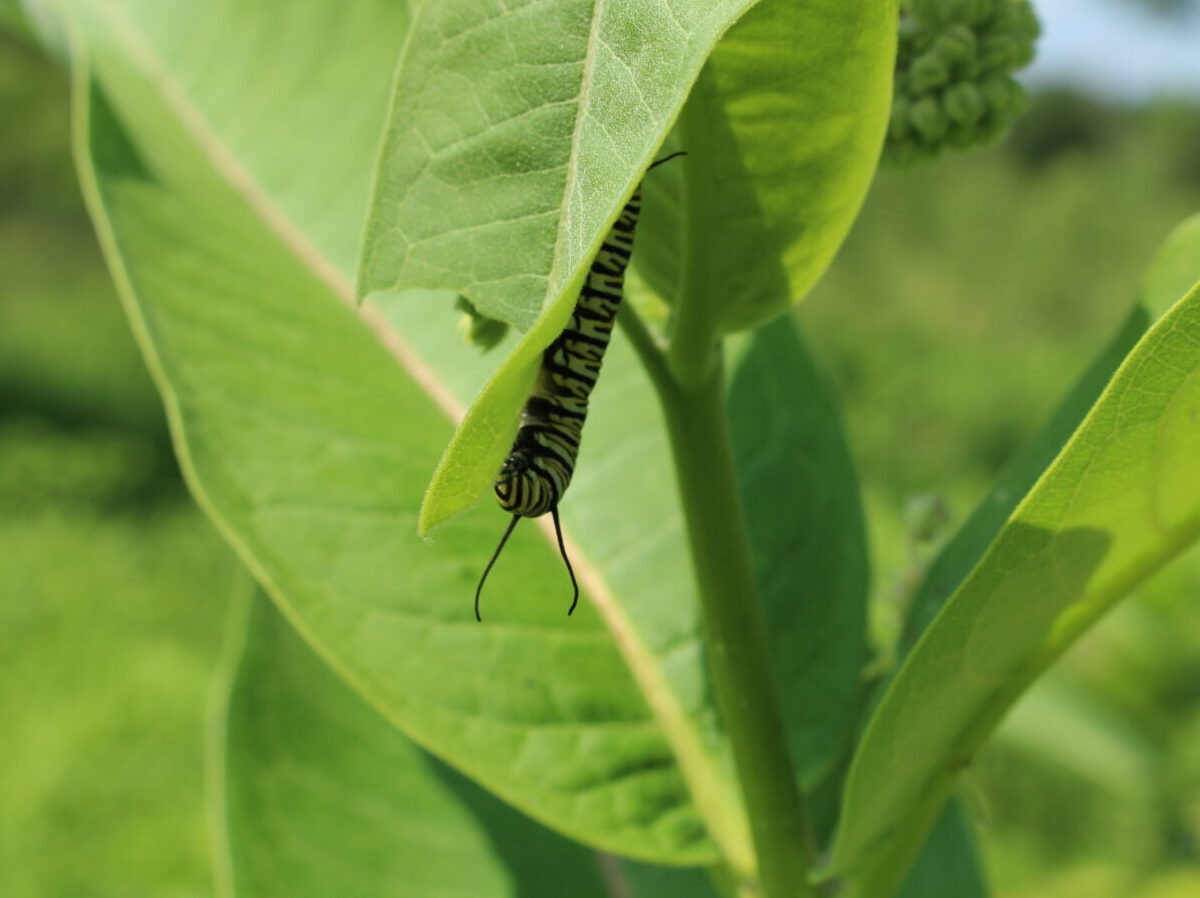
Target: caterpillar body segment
538, 469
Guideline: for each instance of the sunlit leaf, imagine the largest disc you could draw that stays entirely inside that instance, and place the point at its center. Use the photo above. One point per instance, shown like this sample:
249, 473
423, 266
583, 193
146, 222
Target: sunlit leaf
500, 180
309, 446
1170, 274
1121, 499
309, 443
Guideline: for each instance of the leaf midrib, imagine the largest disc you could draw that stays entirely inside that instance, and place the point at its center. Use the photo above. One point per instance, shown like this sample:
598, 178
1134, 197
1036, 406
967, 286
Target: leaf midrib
716, 800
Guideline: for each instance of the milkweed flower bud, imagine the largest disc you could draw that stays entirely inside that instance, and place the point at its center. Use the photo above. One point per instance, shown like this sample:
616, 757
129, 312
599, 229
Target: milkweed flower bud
953, 85
927, 72
964, 104
928, 121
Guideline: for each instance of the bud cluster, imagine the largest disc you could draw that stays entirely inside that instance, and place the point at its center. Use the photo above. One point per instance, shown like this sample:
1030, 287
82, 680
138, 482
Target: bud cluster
953, 85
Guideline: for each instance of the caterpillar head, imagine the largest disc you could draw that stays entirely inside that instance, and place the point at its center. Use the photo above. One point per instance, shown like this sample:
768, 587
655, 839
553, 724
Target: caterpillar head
522, 487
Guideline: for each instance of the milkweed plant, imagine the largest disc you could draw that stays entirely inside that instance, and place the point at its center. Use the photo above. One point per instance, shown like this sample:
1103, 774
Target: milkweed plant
319, 215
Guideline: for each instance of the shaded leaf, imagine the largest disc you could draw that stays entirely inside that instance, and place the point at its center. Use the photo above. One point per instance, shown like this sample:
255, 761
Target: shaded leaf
968, 544
783, 130
322, 796
807, 536
948, 865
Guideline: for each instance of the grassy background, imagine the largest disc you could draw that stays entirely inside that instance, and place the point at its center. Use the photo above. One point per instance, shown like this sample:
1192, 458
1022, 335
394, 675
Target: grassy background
112, 586
969, 296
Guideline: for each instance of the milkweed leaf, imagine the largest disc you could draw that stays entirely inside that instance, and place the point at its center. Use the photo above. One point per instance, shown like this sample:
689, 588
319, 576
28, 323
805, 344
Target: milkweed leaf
1120, 500
306, 428
320, 795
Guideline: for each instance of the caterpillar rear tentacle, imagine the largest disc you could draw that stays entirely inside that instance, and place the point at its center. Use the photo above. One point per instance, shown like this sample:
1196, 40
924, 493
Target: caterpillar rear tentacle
539, 467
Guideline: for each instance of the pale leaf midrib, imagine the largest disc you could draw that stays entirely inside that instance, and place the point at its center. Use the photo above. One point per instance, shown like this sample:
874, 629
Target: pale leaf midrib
554, 280
716, 801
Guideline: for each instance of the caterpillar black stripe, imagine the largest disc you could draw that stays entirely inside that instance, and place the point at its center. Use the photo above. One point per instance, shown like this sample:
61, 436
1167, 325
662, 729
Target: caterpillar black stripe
539, 467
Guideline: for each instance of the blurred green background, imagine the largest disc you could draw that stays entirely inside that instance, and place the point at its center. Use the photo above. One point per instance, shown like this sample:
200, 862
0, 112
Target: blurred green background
968, 298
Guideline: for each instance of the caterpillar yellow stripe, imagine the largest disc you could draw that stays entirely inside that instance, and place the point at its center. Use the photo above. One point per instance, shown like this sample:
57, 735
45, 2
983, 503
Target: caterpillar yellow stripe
538, 469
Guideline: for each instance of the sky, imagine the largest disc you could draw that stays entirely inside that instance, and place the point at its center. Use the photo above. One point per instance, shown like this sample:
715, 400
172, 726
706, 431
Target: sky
1115, 48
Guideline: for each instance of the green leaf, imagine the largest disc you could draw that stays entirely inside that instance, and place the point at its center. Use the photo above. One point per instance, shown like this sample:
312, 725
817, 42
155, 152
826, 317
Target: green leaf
791, 455
1164, 281
1120, 500
783, 131
515, 133
948, 866
263, 116
320, 795
965, 548
644, 881
800, 493
308, 446
779, 160
308, 443
1173, 270
1171, 273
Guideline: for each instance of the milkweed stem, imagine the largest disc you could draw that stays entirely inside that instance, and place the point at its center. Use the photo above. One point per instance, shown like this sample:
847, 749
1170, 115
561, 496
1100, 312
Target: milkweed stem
736, 635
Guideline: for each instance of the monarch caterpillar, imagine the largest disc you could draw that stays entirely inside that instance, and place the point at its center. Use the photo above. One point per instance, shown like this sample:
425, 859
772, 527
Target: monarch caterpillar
538, 468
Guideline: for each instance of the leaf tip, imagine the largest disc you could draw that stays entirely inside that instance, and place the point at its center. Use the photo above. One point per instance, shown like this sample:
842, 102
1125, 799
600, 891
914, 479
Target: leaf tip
431, 515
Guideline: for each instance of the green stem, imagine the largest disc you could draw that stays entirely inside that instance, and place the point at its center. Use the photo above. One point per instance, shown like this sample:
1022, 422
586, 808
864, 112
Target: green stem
694, 348
735, 631
649, 350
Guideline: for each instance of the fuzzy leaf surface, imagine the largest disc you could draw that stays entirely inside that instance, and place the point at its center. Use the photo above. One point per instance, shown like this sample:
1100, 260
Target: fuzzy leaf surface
507, 197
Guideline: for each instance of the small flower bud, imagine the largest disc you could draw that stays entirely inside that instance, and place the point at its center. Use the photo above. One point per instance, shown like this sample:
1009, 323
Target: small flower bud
964, 104
927, 72
928, 120
956, 45
952, 80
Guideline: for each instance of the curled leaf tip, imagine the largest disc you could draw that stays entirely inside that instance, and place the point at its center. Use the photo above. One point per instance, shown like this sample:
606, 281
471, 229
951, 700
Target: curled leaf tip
478, 329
